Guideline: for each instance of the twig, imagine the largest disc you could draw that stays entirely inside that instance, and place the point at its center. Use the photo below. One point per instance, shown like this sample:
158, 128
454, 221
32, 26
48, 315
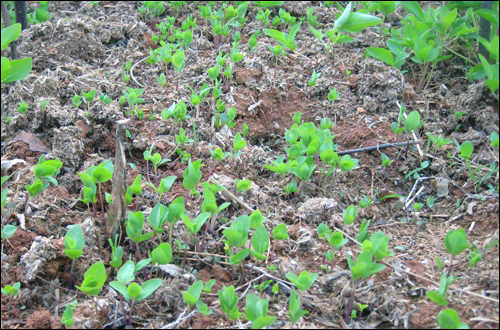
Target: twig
180, 319
409, 199
231, 195
132, 70
382, 146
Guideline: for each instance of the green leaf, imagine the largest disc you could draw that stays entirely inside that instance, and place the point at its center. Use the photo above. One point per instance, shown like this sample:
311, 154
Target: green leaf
162, 254
94, 279
280, 232
192, 295
449, 319
148, 288
260, 240
239, 257
456, 241
381, 54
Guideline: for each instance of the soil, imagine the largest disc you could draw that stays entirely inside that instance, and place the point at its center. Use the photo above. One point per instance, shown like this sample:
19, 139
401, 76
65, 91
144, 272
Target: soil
83, 47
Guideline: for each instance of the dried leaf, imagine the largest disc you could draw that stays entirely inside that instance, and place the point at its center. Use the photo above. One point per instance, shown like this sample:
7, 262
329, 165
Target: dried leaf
34, 143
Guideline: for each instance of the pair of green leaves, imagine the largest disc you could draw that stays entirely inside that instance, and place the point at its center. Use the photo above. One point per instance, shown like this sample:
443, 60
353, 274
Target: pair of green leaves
192, 175
74, 242
134, 291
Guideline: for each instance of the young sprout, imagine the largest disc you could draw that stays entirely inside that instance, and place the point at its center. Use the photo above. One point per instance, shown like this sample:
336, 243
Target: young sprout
333, 95
23, 107
280, 233
10, 291
67, 318
295, 311
312, 81
74, 243
229, 303
179, 63
256, 312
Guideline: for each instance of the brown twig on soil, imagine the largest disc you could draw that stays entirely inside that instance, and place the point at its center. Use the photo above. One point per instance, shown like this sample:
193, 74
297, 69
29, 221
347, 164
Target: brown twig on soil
231, 195
382, 146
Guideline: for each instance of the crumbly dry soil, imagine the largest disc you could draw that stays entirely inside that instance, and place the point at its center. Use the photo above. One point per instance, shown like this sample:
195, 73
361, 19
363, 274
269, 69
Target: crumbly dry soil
83, 47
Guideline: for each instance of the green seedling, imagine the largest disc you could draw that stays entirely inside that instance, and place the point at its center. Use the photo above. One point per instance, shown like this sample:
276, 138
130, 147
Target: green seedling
260, 243
449, 319
303, 282
360, 270
134, 189
280, 233
179, 64
182, 138
157, 161
165, 185
363, 232
228, 303
378, 245
301, 168
178, 111
23, 107
10, 291
8, 231
100, 174
439, 296
311, 18
133, 226
290, 189
126, 68
324, 232
262, 286
333, 95
132, 97
237, 233
256, 312
217, 154
278, 166
385, 159
192, 175
256, 219
136, 292
161, 255
192, 295
312, 81
67, 318
263, 16
242, 185
44, 172
252, 43
438, 141
89, 97
423, 165
455, 243
295, 311
350, 214
117, 253
494, 139
336, 241
105, 99
466, 150
175, 209
194, 226
157, 218
93, 279
238, 144
365, 202
14, 70
209, 204
74, 243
